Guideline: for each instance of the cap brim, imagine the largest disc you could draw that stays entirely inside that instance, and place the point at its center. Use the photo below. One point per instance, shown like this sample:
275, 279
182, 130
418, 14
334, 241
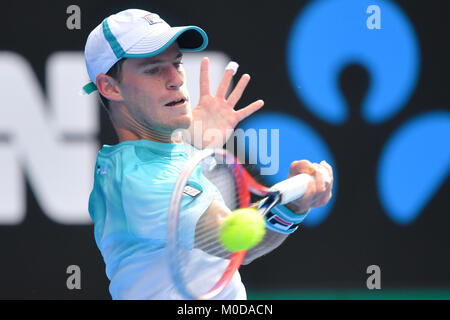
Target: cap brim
192, 39
189, 38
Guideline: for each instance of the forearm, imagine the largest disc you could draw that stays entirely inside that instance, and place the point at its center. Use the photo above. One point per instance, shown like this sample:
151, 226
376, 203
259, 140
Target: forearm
271, 241
214, 217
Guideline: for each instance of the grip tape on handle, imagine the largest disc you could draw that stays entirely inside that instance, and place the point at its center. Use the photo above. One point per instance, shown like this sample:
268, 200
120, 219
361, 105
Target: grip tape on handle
292, 188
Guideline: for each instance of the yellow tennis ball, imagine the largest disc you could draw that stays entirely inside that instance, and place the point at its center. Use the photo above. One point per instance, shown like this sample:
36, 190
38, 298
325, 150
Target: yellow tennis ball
242, 230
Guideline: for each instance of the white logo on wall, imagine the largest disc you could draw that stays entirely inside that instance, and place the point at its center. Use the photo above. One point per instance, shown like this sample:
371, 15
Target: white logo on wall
50, 138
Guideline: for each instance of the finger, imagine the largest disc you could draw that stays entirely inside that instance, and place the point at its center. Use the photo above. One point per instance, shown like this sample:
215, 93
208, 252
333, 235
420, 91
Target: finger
328, 191
325, 173
319, 190
234, 96
320, 176
330, 171
301, 166
226, 80
326, 199
204, 78
248, 110
329, 168
323, 201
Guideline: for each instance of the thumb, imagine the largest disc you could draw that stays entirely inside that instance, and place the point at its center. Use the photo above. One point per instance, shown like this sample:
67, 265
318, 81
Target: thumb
301, 166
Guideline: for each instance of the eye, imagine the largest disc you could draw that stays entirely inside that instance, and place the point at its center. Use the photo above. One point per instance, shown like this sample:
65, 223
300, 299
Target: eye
152, 70
178, 64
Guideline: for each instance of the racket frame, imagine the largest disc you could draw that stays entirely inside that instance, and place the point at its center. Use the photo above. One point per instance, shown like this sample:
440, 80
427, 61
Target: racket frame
243, 180
237, 257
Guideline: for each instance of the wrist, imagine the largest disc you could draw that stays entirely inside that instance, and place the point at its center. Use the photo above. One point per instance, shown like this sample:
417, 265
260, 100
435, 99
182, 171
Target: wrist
283, 220
297, 209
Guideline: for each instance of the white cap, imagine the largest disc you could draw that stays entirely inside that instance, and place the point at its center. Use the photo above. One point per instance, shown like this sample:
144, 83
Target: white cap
135, 33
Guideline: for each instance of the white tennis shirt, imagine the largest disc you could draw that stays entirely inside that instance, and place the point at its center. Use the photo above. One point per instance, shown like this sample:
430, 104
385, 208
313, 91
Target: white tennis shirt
129, 203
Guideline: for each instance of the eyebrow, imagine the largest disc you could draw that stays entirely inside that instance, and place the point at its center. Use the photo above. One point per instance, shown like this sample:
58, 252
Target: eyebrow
145, 63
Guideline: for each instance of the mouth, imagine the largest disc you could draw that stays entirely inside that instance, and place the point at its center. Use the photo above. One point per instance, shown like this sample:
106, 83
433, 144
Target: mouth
176, 102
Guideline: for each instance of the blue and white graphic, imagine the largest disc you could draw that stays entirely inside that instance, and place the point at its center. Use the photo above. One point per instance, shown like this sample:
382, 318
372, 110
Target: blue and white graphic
297, 140
414, 164
329, 35
326, 37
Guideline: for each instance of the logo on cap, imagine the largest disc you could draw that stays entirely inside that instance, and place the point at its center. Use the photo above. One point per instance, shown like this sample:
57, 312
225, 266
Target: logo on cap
153, 18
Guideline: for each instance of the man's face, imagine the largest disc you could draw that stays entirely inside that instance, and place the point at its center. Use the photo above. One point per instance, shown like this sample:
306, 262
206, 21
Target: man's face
154, 91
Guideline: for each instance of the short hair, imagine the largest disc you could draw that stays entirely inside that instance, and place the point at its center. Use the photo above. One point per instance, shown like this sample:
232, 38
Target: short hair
116, 73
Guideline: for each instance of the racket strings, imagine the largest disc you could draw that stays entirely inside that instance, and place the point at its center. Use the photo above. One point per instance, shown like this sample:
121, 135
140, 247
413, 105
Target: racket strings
231, 186
197, 275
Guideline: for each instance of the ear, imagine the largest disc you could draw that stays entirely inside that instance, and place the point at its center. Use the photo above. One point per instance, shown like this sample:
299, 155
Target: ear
108, 87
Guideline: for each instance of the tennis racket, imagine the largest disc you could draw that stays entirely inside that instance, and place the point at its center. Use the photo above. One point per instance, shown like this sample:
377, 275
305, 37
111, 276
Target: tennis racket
200, 266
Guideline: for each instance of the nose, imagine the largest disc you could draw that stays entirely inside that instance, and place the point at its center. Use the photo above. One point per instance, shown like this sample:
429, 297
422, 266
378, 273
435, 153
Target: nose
175, 77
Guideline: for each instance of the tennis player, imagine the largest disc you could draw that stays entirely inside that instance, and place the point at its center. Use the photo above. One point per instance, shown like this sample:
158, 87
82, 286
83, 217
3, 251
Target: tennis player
134, 60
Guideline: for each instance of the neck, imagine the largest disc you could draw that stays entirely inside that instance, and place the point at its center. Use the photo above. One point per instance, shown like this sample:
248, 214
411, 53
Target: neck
127, 128
126, 135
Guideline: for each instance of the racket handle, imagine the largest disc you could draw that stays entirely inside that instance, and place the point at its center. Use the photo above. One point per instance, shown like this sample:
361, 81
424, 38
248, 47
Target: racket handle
292, 188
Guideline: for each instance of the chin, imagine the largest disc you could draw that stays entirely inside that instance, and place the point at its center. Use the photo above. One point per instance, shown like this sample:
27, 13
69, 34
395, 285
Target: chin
187, 119
183, 122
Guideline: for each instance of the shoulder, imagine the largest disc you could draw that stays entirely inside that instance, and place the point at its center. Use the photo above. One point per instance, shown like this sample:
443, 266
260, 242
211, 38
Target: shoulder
145, 160
131, 156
